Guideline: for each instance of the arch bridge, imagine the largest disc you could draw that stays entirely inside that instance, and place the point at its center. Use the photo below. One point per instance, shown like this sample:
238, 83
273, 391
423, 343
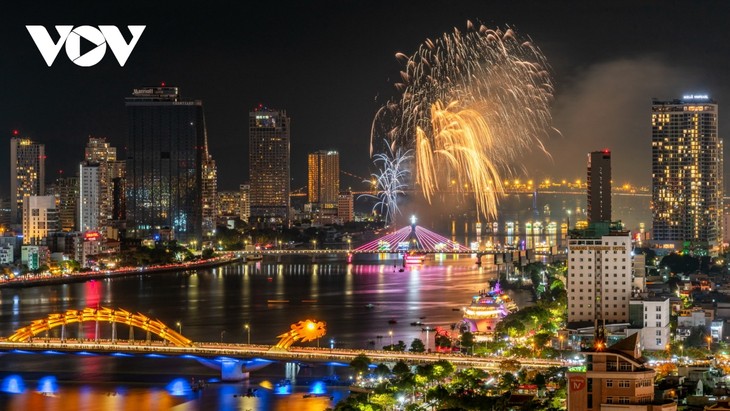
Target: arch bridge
99, 316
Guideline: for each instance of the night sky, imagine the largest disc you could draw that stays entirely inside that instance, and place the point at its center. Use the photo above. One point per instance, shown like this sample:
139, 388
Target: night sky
331, 65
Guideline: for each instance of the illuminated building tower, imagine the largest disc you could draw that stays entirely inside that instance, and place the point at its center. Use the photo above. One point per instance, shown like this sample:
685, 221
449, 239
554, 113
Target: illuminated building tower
27, 173
599, 275
96, 190
229, 203
616, 378
40, 219
268, 150
166, 149
324, 178
599, 186
210, 195
245, 205
345, 207
687, 173
66, 191
90, 196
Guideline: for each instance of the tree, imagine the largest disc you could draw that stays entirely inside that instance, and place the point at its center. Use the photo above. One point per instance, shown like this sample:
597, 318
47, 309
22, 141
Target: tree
417, 345
442, 369
507, 381
208, 253
510, 365
443, 341
467, 340
400, 368
382, 370
361, 363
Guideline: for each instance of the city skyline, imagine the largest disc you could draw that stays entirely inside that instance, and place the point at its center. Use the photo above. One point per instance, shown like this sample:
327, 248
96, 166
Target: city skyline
599, 75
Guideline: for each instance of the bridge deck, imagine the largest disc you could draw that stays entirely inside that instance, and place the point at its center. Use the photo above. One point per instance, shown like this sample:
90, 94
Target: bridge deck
241, 351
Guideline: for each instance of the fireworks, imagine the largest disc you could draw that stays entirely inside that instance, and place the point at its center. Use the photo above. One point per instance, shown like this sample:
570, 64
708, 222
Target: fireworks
391, 180
471, 103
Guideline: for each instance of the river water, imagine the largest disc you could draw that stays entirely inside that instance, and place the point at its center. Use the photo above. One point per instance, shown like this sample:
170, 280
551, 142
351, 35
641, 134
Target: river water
359, 303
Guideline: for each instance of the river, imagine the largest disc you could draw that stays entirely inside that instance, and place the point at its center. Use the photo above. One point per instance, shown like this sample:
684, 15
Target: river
359, 302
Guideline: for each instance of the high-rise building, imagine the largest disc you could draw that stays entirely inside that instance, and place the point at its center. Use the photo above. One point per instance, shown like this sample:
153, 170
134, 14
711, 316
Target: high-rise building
324, 178
166, 149
269, 168
687, 173
210, 195
66, 191
27, 173
96, 192
229, 203
599, 186
40, 219
90, 196
345, 207
245, 205
616, 378
599, 275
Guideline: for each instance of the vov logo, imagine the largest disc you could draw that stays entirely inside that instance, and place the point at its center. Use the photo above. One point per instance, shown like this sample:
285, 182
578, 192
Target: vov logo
71, 37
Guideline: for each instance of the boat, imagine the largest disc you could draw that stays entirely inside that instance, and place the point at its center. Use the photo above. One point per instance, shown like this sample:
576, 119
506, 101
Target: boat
414, 257
253, 257
370, 305
417, 323
487, 309
392, 321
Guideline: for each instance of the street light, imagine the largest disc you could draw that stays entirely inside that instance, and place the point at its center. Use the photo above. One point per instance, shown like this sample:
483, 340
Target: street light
391, 339
332, 343
314, 244
709, 342
349, 242
179, 327
248, 332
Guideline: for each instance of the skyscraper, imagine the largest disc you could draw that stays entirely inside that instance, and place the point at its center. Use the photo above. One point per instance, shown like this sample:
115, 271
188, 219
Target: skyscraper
599, 186
27, 173
268, 150
210, 195
687, 173
245, 205
66, 191
90, 196
96, 175
345, 207
164, 170
324, 178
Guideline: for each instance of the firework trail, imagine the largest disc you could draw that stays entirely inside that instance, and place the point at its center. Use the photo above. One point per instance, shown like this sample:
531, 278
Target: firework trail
391, 180
471, 103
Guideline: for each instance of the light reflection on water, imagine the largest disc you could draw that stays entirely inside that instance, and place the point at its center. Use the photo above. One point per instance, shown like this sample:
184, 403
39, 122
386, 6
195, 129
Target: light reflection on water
356, 300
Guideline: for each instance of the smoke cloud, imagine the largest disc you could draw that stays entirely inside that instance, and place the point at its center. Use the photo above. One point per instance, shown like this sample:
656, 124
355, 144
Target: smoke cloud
608, 106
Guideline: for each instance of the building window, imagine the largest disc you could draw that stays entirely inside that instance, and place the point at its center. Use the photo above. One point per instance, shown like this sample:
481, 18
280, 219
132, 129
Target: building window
609, 384
609, 400
624, 384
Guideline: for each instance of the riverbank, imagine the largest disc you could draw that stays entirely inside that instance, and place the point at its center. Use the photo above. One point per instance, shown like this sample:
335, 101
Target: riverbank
95, 275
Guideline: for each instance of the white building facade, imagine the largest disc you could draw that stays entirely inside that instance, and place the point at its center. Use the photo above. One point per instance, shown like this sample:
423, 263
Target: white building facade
599, 278
40, 218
